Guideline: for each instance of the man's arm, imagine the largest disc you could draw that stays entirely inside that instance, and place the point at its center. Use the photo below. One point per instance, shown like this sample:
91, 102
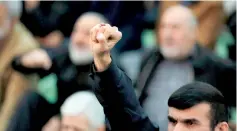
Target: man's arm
39, 61
120, 103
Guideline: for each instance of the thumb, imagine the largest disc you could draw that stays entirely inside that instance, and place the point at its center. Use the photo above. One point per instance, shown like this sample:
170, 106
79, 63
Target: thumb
101, 38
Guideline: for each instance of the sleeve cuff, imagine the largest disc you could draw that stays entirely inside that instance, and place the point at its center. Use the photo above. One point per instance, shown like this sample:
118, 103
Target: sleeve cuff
112, 73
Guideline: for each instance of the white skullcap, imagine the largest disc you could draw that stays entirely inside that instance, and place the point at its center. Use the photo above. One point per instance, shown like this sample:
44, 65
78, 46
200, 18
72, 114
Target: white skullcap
94, 15
86, 103
14, 7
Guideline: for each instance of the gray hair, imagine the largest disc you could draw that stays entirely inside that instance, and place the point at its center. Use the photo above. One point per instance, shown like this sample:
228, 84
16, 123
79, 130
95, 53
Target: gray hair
14, 7
84, 102
95, 14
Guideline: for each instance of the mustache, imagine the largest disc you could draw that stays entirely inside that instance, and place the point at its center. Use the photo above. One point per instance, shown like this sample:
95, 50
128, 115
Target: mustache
79, 46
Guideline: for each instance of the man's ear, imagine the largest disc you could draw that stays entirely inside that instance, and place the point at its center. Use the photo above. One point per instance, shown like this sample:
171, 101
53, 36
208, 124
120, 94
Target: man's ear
222, 126
102, 128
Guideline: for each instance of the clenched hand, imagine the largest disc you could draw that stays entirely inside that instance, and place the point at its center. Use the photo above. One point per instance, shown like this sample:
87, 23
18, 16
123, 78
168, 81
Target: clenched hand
103, 37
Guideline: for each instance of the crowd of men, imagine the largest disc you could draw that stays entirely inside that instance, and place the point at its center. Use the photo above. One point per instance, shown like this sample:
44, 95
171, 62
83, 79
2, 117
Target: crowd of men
182, 84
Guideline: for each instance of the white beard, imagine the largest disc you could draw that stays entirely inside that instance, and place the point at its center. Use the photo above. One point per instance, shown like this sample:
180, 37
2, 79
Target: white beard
4, 29
80, 56
172, 53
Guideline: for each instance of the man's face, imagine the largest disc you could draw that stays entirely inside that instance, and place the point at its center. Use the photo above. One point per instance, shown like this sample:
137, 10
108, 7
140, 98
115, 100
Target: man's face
5, 21
81, 32
196, 118
79, 48
175, 35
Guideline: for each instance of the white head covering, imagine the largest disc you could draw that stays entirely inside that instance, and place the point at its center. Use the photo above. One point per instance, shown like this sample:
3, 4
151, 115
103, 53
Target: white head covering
84, 102
14, 7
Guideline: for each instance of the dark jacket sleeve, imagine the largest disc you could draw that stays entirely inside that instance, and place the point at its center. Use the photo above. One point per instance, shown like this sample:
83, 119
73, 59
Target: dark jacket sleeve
119, 101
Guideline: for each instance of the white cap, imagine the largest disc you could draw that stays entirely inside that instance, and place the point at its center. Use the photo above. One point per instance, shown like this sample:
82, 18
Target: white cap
86, 103
14, 7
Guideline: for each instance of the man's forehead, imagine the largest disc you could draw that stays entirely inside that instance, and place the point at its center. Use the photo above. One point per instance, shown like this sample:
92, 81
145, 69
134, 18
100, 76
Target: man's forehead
67, 119
176, 15
88, 21
200, 112
174, 19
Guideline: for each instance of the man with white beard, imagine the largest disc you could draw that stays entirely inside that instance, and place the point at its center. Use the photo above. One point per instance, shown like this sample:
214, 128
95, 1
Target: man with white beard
71, 65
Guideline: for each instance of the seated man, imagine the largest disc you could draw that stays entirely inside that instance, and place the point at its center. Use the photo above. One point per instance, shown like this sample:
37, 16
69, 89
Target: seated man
14, 40
81, 111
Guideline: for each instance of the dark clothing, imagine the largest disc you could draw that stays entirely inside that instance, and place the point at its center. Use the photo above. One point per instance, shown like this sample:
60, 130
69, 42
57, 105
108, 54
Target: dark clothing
71, 78
62, 15
112, 88
32, 113
114, 91
54, 15
207, 68
231, 23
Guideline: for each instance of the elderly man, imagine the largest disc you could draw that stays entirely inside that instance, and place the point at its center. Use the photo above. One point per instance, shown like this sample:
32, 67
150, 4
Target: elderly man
210, 17
81, 112
71, 65
14, 40
178, 61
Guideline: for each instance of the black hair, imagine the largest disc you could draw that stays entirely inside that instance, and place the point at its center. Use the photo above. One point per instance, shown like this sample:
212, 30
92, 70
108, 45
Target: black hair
197, 92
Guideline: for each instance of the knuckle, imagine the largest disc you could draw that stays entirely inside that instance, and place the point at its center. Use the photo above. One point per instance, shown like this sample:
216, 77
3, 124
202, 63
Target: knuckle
115, 28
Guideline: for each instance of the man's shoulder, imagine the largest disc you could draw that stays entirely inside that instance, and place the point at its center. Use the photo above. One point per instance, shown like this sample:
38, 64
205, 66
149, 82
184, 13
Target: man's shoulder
212, 58
59, 54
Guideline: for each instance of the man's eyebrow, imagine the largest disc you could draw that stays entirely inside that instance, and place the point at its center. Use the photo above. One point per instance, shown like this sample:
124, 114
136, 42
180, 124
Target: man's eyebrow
193, 120
171, 119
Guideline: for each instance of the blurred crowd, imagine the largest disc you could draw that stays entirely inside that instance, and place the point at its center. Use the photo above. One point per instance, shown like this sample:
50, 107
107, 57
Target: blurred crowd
45, 60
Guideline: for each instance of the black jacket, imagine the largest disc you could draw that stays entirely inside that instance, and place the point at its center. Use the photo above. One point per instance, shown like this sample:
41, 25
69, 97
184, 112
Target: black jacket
115, 91
207, 67
71, 78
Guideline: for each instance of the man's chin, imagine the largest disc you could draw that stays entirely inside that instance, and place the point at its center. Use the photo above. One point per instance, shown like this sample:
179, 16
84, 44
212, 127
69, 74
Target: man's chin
171, 54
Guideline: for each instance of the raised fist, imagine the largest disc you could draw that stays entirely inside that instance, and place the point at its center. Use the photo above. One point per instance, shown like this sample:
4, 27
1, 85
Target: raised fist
37, 59
103, 37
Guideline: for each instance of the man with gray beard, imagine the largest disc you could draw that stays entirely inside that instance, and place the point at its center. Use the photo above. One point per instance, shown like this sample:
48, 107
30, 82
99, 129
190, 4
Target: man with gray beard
70, 63
178, 61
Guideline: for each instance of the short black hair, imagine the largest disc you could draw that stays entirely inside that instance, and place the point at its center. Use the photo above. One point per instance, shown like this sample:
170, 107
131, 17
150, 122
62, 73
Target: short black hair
197, 92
